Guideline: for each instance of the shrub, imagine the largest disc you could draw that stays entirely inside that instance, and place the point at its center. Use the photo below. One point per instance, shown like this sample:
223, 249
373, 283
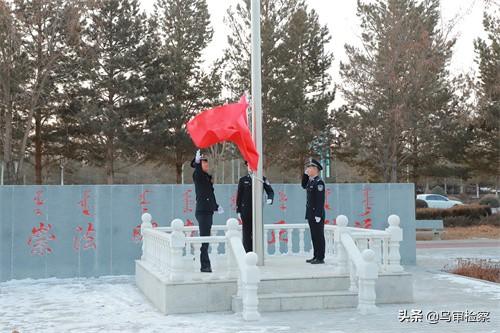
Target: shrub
438, 190
484, 269
459, 221
419, 203
493, 220
467, 221
490, 200
472, 211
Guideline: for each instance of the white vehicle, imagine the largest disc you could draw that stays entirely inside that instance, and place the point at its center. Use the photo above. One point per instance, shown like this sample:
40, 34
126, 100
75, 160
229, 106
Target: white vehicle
438, 201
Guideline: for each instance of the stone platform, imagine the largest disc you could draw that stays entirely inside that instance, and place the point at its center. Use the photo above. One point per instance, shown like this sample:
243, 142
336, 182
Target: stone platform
287, 283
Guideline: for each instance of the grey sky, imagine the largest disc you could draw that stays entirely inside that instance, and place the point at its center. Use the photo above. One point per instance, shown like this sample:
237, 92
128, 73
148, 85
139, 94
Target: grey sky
340, 16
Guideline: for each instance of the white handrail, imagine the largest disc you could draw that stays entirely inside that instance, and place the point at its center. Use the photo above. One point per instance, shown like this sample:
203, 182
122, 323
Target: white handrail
206, 239
364, 267
249, 275
238, 252
352, 250
356, 230
385, 243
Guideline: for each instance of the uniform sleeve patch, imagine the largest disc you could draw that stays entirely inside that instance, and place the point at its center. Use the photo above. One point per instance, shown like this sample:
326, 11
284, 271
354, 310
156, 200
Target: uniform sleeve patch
320, 187
267, 182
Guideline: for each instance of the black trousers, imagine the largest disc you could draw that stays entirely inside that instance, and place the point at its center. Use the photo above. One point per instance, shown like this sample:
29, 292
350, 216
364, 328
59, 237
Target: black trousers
318, 237
205, 221
246, 218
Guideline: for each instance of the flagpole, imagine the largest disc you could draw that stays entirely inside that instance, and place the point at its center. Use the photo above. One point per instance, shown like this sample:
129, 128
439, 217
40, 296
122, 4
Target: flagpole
257, 223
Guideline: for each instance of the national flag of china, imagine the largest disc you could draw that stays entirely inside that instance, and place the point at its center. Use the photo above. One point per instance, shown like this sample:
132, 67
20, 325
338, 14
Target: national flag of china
225, 123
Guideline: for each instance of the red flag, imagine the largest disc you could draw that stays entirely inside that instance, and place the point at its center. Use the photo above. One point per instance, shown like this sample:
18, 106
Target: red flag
225, 123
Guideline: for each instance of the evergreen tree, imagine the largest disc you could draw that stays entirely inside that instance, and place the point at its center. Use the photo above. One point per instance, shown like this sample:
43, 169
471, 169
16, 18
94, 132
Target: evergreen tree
177, 86
484, 151
45, 30
106, 115
13, 74
396, 89
296, 87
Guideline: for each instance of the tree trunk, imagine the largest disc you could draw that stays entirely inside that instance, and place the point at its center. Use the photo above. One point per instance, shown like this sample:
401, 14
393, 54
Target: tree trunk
178, 168
7, 144
178, 172
110, 173
497, 178
394, 171
223, 175
38, 147
414, 172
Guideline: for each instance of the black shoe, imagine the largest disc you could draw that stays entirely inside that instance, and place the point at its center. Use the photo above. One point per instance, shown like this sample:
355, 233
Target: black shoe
317, 261
206, 270
310, 260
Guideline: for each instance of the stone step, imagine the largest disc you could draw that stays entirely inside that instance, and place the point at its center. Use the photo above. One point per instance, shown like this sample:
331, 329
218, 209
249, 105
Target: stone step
301, 301
315, 284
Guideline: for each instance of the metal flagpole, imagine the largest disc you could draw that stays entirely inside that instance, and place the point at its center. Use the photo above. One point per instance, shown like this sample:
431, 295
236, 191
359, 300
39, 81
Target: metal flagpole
257, 223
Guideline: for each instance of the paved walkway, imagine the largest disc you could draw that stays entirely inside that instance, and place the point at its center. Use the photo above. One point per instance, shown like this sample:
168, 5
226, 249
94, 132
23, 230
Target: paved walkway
438, 254
467, 243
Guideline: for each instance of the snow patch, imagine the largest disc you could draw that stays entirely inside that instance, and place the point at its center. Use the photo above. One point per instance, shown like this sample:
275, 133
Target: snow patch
474, 286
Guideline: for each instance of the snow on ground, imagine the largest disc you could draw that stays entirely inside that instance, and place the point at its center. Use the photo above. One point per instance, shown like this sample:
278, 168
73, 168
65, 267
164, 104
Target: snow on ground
473, 286
114, 304
438, 258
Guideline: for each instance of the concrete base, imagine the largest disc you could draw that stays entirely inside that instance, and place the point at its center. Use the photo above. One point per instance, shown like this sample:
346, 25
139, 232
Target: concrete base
184, 297
287, 283
301, 301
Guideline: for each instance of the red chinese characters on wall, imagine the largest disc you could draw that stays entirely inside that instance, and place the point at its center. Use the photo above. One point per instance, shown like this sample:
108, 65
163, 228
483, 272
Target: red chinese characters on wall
282, 233
187, 201
84, 203
84, 240
366, 220
328, 208
282, 197
38, 203
42, 234
143, 203
282, 200
40, 238
85, 237
233, 201
234, 206
190, 223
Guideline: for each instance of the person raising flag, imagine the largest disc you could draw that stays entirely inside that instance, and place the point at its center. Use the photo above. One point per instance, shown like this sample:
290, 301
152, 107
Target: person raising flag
206, 204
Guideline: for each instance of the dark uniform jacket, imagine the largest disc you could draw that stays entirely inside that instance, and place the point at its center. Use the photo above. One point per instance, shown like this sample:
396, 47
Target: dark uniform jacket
315, 197
244, 196
204, 188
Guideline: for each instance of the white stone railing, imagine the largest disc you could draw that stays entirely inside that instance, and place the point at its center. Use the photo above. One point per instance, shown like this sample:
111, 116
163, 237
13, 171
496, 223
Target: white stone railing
162, 250
249, 275
384, 243
279, 239
175, 254
363, 253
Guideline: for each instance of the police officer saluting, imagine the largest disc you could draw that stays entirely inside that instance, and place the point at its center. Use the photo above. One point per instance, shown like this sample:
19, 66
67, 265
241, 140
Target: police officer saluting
206, 204
315, 209
244, 205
